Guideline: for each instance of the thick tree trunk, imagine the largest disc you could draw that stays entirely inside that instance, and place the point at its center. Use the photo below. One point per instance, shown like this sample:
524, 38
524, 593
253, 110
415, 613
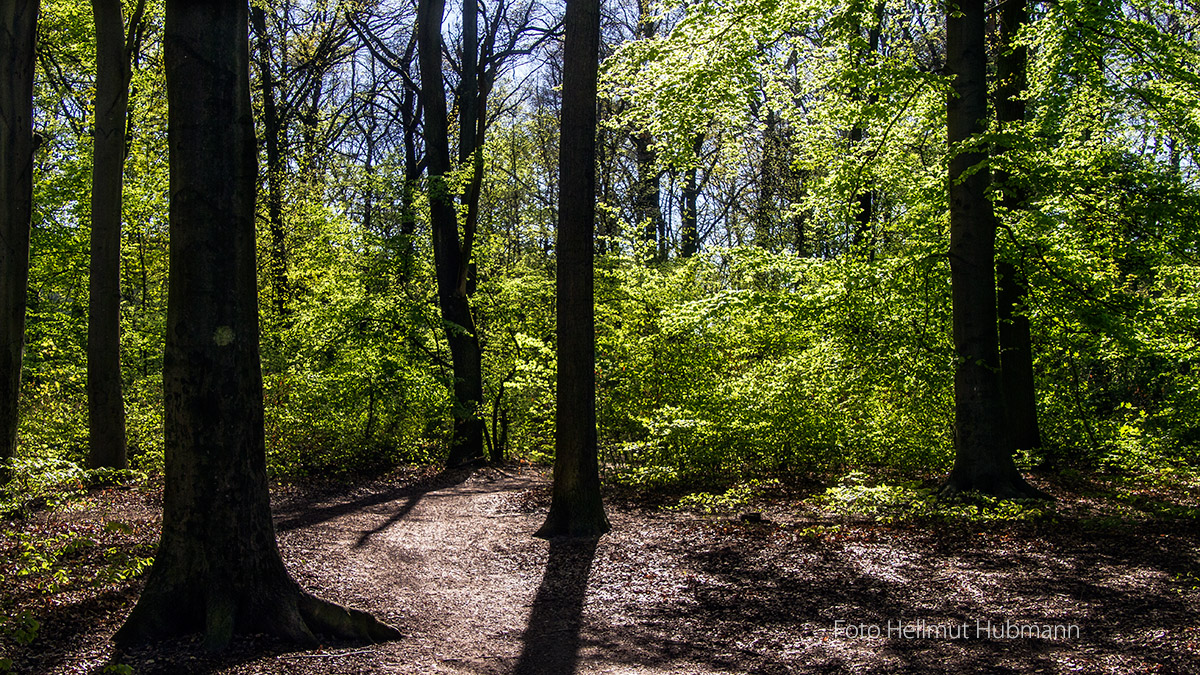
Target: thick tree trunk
18, 26
1016, 345
983, 458
106, 408
576, 508
218, 568
448, 253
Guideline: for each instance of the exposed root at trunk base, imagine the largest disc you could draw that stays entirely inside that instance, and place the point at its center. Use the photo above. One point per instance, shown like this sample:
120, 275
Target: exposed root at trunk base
294, 616
326, 618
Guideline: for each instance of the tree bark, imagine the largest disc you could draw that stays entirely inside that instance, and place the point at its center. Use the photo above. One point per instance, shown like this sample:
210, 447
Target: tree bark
450, 261
1016, 345
18, 27
218, 569
106, 407
983, 458
576, 508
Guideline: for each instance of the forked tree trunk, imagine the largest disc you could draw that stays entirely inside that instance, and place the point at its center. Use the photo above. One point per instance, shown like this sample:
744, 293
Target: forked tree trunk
218, 569
106, 407
983, 457
1016, 345
18, 25
450, 256
576, 508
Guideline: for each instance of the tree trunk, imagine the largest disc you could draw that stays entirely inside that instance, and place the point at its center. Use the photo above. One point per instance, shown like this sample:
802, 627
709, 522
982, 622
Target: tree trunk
106, 408
576, 508
647, 207
689, 240
218, 568
448, 254
18, 26
647, 198
1016, 345
272, 130
864, 235
983, 458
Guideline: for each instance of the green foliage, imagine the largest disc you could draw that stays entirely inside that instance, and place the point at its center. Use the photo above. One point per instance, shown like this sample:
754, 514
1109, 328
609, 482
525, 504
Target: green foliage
23, 628
893, 503
51, 563
745, 361
737, 496
39, 482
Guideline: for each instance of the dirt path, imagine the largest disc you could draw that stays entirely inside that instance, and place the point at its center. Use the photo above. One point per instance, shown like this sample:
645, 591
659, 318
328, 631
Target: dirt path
450, 561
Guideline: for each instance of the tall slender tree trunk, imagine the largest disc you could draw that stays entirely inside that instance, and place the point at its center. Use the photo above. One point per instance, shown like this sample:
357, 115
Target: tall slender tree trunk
576, 508
106, 406
647, 199
863, 238
450, 262
689, 235
647, 195
410, 117
18, 27
983, 457
272, 131
218, 569
1016, 345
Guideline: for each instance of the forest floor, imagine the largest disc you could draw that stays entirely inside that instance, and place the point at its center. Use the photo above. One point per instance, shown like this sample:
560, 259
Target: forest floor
448, 559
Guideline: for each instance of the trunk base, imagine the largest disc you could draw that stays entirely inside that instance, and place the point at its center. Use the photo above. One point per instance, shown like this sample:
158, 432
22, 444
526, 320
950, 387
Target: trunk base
561, 523
292, 615
1009, 485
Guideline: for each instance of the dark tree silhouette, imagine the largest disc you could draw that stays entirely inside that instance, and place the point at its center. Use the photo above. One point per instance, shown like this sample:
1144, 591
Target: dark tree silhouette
106, 407
451, 255
18, 25
576, 508
1016, 345
983, 453
218, 569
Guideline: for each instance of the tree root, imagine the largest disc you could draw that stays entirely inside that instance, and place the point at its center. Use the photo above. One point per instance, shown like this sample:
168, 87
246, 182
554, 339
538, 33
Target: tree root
326, 618
293, 615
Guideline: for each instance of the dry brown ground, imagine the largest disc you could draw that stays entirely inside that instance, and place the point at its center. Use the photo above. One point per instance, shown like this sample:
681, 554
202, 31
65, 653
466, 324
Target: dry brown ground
449, 560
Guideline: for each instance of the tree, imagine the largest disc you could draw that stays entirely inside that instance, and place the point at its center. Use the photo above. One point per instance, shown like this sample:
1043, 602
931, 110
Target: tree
18, 24
106, 407
451, 256
576, 508
983, 457
272, 131
1016, 345
218, 569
